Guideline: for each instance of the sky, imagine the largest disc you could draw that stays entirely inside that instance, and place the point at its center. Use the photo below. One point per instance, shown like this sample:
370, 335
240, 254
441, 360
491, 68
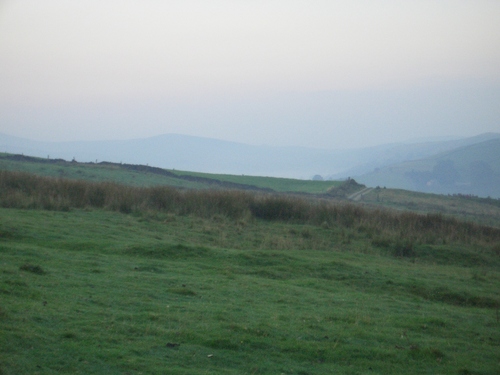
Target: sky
317, 73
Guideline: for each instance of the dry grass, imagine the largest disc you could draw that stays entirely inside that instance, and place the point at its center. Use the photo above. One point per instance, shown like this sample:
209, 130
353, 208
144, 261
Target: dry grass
22, 190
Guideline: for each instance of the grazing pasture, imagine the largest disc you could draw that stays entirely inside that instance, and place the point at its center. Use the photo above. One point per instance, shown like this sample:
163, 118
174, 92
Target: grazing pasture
113, 279
468, 208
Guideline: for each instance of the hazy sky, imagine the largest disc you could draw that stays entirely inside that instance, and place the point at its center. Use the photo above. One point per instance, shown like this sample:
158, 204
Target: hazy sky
320, 73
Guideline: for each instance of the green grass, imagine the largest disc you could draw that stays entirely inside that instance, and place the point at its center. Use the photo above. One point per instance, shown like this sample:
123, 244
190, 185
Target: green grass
283, 185
481, 210
129, 280
91, 291
144, 176
92, 172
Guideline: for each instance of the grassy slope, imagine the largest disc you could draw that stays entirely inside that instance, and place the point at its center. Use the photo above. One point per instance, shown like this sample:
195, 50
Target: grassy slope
488, 151
277, 184
469, 209
119, 292
481, 210
121, 174
93, 172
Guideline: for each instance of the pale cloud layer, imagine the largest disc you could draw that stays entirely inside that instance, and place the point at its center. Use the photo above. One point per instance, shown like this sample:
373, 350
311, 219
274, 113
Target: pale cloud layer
314, 73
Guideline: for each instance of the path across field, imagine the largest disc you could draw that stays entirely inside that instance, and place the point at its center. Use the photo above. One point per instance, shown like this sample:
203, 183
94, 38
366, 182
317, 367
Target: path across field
357, 195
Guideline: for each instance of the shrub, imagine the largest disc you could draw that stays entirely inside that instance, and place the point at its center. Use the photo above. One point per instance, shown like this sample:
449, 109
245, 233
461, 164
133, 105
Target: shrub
96, 195
381, 242
279, 208
162, 198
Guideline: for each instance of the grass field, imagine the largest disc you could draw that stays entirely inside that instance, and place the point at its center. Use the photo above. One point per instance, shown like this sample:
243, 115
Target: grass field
91, 172
282, 185
146, 176
482, 210
105, 278
214, 290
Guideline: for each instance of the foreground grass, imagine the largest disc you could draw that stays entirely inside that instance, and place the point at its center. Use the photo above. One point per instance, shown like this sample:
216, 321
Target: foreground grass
90, 291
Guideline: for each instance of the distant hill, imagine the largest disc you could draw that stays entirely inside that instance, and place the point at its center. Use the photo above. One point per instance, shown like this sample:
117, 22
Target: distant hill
472, 169
369, 159
188, 153
174, 151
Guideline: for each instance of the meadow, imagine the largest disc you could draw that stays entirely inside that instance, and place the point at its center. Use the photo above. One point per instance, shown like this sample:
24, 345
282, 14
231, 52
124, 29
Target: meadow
465, 207
142, 175
485, 211
97, 277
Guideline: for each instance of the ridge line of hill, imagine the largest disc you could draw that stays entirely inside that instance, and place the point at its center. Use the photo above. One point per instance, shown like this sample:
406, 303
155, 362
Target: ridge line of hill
466, 207
145, 168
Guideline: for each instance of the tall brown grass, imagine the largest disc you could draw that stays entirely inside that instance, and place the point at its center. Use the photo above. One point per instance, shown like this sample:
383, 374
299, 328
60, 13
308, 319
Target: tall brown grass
27, 191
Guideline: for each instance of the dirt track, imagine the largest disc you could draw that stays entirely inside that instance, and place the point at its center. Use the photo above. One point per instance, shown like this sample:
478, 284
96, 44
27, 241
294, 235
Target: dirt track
359, 194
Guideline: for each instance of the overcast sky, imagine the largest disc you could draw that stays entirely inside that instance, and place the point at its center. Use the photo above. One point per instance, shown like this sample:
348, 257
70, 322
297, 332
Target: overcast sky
317, 73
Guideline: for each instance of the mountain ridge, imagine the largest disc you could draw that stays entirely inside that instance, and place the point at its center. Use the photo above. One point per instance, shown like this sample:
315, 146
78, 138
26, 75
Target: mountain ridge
210, 155
472, 169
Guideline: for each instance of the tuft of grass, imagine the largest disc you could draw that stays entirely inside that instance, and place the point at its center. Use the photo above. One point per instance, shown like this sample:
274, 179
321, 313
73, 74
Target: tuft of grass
32, 268
382, 242
495, 249
182, 291
403, 249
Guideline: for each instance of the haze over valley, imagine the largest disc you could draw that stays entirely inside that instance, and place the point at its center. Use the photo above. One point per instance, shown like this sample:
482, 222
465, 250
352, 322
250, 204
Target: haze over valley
459, 166
321, 74
290, 89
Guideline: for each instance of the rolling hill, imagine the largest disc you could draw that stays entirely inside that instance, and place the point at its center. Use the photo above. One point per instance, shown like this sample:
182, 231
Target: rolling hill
106, 278
472, 169
481, 210
180, 152
146, 176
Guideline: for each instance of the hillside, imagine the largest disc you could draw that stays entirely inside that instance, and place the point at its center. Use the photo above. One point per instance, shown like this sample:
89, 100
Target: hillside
472, 169
173, 151
180, 152
485, 211
379, 157
144, 175
103, 278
